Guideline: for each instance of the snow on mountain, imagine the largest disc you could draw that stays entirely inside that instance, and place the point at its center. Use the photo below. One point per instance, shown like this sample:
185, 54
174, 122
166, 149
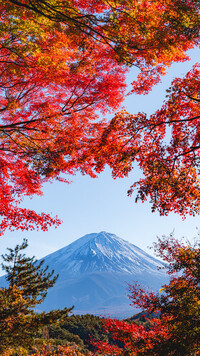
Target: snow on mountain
94, 272
101, 252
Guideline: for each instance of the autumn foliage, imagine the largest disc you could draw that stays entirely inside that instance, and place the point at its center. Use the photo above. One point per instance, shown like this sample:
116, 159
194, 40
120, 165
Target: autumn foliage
67, 350
165, 146
63, 67
177, 330
53, 80
64, 62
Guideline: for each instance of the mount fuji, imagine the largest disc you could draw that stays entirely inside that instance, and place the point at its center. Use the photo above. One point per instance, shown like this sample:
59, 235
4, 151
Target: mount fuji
94, 272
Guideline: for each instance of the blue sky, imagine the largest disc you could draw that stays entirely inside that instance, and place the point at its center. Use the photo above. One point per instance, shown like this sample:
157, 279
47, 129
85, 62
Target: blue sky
93, 205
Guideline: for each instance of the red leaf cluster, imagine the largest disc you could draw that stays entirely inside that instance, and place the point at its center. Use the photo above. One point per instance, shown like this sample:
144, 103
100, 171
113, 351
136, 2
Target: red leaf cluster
64, 62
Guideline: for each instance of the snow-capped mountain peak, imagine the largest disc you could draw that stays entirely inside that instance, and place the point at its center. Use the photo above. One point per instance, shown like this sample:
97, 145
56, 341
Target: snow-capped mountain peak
101, 252
94, 272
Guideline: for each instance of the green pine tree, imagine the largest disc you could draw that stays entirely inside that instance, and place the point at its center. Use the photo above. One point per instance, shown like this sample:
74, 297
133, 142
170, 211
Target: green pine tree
28, 283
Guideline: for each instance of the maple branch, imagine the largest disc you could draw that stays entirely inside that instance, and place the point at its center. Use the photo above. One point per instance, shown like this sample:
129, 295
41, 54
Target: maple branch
31, 140
73, 19
16, 124
11, 62
18, 144
16, 52
115, 8
192, 149
195, 99
64, 108
93, 32
24, 93
169, 122
78, 98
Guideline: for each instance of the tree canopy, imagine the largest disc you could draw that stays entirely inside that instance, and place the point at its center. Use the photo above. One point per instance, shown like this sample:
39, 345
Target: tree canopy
176, 331
63, 62
165, 145
178, 301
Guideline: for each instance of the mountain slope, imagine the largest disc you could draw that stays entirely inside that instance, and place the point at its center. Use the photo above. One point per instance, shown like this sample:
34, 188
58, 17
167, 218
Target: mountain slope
101, 252
94, 272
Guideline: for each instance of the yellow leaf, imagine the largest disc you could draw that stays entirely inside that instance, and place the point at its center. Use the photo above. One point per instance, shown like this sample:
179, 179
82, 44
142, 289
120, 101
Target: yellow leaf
160, 290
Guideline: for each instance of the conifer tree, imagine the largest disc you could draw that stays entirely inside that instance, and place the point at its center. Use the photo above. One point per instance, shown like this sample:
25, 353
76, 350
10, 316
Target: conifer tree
28, 283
